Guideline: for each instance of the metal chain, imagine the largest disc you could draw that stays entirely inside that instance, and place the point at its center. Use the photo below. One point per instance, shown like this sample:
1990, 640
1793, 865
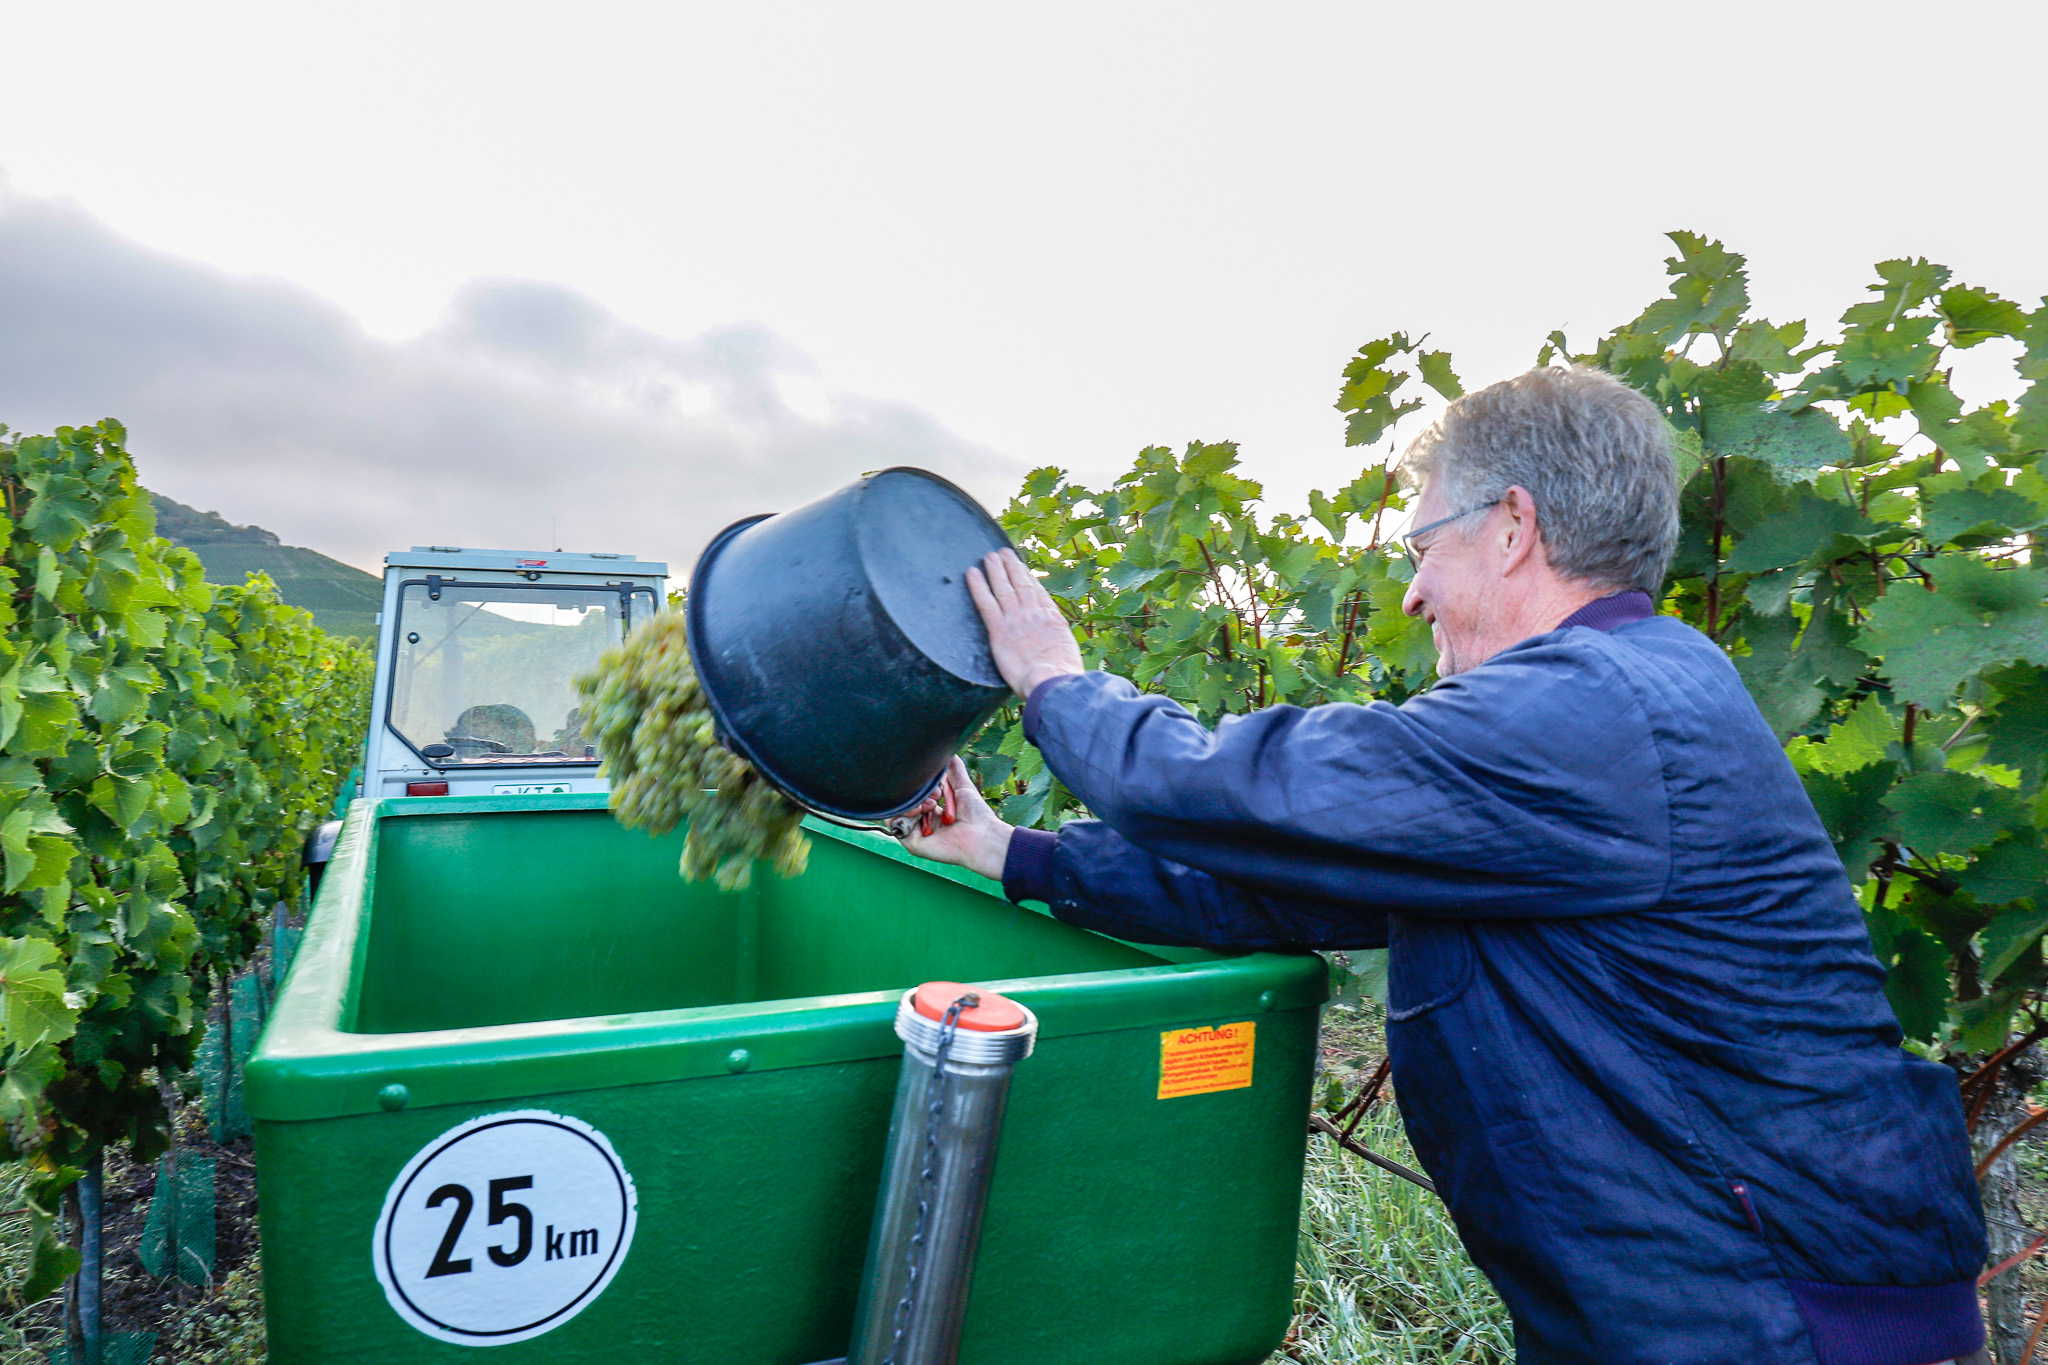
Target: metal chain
948, 1026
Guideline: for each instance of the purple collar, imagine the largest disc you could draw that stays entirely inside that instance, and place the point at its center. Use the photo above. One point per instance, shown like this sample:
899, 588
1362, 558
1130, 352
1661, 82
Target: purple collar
1619, 610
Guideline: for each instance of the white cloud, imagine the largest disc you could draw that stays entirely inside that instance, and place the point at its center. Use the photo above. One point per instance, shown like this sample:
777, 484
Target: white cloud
528, 407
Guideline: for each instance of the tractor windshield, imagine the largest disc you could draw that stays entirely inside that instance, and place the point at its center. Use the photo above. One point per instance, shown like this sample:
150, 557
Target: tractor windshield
486, 673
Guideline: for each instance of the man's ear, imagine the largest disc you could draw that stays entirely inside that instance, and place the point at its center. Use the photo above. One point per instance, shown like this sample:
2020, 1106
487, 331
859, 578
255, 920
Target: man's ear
1524, 531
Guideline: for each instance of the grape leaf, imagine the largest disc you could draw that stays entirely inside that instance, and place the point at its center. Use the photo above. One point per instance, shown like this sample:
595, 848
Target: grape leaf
1953, 812
17, 833
1688, 451
1369, 388
1403, 642
1436, 372
1902, 285
1885, 357
2011, 932
1996, 512
2030, 419
1986, 1022
1782, 680
1828, 642
1803, 532
1128, 574
1934, 404
1327, 513
1978, 617
1849, 810
1770, 347
1982, 438
61, 509
51, 1262
32, 1007
1916, 984
123, 693
1858, 740
1069, 580
2014, 868
1795, 445
2019, 727
1709, 291
1977, 315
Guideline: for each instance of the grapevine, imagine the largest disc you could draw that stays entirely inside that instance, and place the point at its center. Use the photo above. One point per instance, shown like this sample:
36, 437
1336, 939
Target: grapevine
660, 747
163, 744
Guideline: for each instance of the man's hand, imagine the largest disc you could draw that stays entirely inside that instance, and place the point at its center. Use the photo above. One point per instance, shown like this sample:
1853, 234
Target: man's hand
1030, 639
976, 840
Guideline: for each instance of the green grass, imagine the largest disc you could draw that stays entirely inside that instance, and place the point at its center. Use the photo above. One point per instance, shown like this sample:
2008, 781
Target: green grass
19, 1343
1382, 1275
225, 1328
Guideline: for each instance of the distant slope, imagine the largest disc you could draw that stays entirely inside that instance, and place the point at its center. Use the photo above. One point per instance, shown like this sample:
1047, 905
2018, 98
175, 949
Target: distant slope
181, 525
344, 600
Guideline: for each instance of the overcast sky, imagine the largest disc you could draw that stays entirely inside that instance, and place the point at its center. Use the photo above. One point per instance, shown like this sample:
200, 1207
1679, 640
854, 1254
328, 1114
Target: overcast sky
393, 273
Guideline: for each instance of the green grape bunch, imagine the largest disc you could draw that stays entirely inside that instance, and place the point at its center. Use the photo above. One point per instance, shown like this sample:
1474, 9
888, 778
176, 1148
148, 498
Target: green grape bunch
660, 747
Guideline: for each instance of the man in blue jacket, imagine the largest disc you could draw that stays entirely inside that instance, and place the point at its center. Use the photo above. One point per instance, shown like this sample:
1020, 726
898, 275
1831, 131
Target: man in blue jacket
1639, 1038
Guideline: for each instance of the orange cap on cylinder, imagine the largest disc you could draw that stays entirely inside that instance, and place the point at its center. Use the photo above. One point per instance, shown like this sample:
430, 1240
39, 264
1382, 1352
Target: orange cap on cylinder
995, 1013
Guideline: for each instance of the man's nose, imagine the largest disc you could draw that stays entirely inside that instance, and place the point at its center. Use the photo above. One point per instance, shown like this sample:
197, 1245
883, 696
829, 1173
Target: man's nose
1411, 601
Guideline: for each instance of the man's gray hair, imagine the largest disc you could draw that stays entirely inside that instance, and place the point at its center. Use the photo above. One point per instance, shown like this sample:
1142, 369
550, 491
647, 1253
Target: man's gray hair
1595, 454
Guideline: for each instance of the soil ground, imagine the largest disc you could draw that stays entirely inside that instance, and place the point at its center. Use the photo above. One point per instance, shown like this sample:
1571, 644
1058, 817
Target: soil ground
191, 1323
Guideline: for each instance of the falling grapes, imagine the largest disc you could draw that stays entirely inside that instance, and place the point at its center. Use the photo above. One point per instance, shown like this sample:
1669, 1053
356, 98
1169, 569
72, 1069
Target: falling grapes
654, 730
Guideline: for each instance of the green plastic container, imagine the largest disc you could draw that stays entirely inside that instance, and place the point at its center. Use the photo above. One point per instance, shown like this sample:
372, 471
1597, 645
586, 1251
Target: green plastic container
700, 1087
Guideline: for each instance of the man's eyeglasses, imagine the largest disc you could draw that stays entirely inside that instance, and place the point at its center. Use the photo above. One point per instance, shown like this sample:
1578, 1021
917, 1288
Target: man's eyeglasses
1415, 552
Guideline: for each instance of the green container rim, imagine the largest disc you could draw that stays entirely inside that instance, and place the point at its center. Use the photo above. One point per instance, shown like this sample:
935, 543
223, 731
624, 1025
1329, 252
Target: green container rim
309, 1065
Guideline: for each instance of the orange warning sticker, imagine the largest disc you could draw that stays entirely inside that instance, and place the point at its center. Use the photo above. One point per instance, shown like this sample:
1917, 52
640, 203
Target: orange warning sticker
1196, 1061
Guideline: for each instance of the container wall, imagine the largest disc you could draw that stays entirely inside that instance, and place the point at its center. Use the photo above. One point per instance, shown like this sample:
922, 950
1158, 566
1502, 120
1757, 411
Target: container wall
754, 1194
857, 922
1120, 1227
1123, 1227
506, 917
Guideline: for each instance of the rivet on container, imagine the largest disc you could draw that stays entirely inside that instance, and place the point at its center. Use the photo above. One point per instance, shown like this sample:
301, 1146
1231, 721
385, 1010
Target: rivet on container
393, 1097
738, 1060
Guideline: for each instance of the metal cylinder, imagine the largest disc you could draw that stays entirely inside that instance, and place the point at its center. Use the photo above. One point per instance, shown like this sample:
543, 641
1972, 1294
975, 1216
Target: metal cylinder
942, 1148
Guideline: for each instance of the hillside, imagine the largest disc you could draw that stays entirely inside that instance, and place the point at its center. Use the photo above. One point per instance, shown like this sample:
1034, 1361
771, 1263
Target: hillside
344, 600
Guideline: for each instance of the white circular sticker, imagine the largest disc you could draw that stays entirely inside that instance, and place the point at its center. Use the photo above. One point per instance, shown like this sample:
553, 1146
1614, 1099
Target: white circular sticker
504, 1228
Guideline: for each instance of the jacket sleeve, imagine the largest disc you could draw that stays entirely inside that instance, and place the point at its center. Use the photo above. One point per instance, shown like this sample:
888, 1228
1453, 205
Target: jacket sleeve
1531, 786
1093, 877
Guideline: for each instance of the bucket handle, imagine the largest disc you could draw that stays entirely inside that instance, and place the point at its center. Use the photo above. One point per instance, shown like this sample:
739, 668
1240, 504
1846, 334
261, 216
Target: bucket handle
896, 826
869, 826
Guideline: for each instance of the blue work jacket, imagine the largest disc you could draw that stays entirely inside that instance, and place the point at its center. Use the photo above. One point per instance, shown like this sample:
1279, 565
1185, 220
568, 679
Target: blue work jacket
1639, 1037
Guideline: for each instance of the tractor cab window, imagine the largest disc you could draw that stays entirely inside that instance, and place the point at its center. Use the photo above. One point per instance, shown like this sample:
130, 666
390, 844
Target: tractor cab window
485, 674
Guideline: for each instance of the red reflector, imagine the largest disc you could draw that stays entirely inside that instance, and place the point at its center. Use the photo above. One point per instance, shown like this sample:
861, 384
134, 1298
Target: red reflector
426, 789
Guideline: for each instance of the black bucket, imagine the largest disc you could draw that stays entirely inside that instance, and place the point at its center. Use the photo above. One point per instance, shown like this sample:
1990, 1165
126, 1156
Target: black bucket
837, 644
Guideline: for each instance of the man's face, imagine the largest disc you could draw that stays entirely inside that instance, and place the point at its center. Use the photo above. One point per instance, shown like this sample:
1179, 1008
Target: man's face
1456, 582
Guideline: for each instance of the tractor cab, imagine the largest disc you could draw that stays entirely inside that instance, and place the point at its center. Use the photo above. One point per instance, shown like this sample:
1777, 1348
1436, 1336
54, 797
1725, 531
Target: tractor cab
478, 652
